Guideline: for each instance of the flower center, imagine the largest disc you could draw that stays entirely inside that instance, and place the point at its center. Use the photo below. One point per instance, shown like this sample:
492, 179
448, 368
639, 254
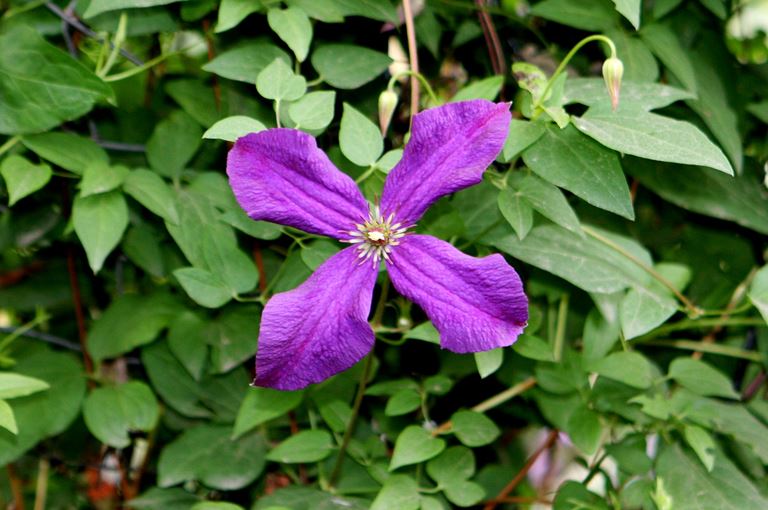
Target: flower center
376, 237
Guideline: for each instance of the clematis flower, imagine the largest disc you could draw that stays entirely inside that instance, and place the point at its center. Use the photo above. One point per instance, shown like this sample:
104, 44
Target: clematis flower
321, 328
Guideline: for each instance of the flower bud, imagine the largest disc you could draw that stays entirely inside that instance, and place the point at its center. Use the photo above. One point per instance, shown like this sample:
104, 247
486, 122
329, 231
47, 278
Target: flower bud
387, 105
613, 69
400, 63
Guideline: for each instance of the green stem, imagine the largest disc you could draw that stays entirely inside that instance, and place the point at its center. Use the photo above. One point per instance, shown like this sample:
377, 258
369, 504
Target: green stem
711, 348
116, 45
420, 77
562, 317
568, 57
366, 174
352, 420
9, 144
686, 324
379, 312
692, 310
39, 319
505, 395
277, 112
140, 69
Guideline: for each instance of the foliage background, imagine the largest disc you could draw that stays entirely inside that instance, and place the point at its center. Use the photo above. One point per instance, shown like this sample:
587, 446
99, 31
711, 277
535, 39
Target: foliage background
131, 283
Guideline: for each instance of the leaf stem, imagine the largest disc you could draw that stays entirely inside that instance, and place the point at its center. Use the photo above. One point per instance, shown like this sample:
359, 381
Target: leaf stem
9, 144
686, 324
422, 79
568, 57
711, 348
692, 310
562, 318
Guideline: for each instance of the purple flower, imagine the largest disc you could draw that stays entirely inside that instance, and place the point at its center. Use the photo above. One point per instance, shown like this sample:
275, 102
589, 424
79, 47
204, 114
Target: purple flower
321, 328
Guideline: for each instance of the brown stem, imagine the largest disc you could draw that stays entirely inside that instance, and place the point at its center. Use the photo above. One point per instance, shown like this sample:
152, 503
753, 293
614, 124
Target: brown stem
78, 305
41, 489
17, 487
507, 490
491, 39
413, 55
754, 386
211, 55
259, 260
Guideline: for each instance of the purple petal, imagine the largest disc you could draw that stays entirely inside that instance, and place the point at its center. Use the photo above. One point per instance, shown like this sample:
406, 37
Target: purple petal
280, 175
450, 148
476, 304
318, 329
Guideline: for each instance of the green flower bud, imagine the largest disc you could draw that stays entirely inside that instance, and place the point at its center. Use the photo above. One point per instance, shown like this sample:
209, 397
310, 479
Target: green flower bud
387, 105
613, 70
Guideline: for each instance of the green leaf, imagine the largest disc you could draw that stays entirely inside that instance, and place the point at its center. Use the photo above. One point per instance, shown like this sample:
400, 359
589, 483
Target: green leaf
489, 362
724, 488
45, 413
232, 12
232, 128
99, 6
306, 446
41, 85
327, 11
207, 454
69, 151
516, 211
591, 15
738, 199
359, 138
336, 414
572, 161
292, 26
655, 137
630, 368
487, 88
130, 321
99, 177
216, 505
454, 465
522, 134
666, 45
400, 492
701, 378
533, 347
630, 9
600, 335
381, 10
634, 96
584, 429
702, 443
583, 261
546, 199
263, 404
644, 308
17, 385
167, 499
23, 178
465, 493
195, 97
474, 429
245, 61
205, 288
758, 292
112, 413
188, 339
100, 221
173, 143
277, 81
415, 445
7, 419
345, 66
314, 111
403, 402
151, 191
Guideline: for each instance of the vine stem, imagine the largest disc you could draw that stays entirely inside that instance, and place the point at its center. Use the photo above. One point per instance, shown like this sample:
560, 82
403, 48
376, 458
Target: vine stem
413, 55
568, 57
692, 310
708, 347
361, 385
507, 490
422, 79
562, 318
492, 402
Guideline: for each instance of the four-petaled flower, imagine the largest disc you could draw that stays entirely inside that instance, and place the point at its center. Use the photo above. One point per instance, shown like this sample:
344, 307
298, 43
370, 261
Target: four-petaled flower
321, 328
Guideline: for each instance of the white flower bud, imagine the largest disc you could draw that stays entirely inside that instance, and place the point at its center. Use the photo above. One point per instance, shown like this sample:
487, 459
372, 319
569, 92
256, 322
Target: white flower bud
387, 105
613, 70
